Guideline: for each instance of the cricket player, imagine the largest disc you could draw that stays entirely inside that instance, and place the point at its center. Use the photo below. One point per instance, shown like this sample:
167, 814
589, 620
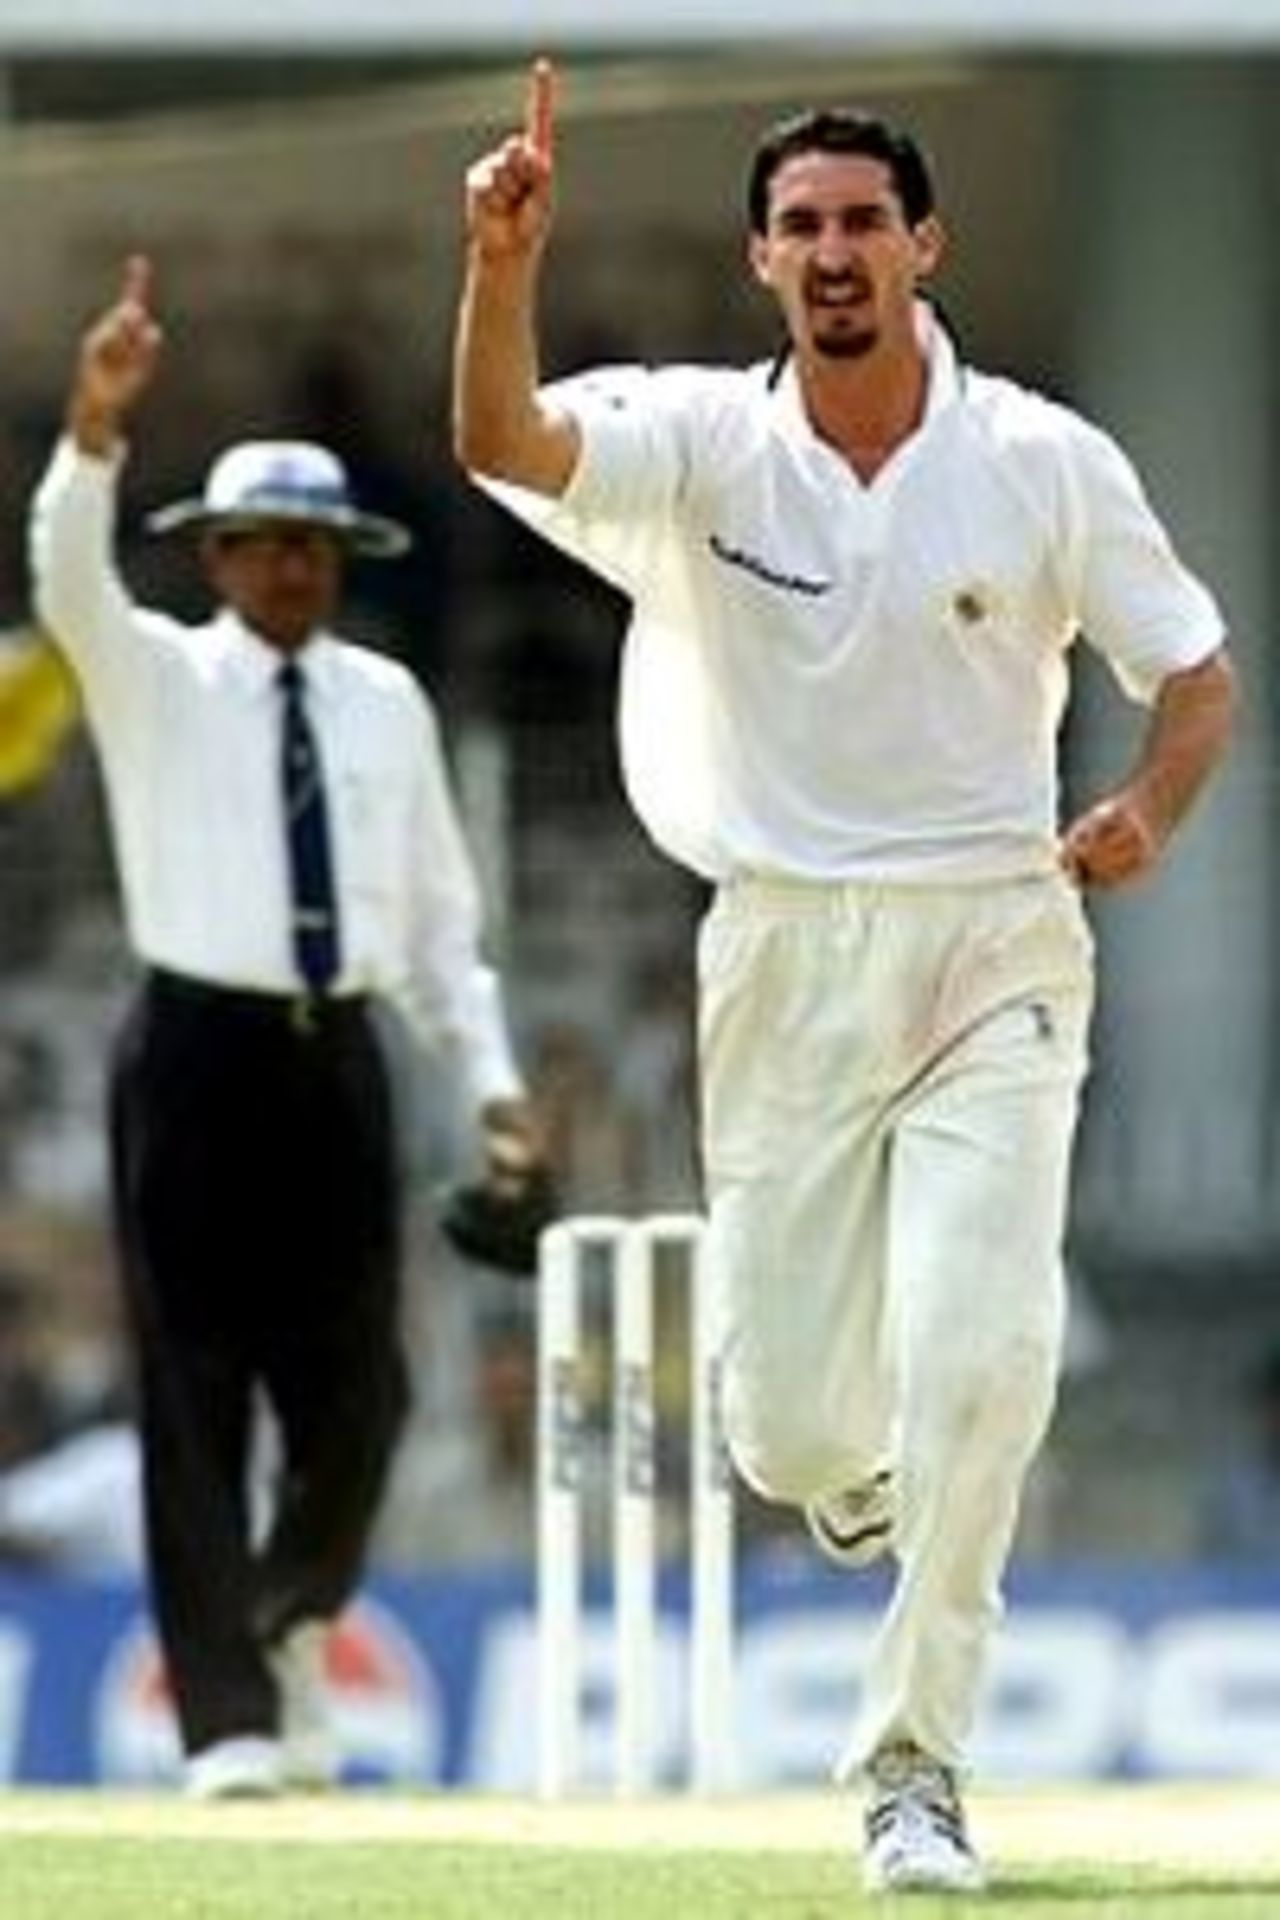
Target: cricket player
857, 575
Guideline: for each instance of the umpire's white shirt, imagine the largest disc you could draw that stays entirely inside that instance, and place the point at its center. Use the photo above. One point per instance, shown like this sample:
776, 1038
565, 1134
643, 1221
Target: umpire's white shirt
846, 681
187, 722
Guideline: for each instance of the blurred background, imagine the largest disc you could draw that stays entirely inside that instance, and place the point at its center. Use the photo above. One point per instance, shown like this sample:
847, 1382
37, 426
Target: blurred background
1111, 178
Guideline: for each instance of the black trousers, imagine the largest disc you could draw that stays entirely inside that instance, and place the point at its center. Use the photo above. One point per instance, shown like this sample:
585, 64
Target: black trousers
254, 1182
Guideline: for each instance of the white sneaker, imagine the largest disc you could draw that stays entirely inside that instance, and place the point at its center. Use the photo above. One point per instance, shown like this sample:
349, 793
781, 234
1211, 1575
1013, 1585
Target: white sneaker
915, 1830
244, 1768
855, 1528
309, 1742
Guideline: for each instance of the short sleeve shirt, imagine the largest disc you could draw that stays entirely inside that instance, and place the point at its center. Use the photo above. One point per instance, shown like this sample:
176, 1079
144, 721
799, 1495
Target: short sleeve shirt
848, 681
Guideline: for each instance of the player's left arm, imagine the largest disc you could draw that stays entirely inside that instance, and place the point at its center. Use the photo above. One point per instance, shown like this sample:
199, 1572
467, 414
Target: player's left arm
1120, 838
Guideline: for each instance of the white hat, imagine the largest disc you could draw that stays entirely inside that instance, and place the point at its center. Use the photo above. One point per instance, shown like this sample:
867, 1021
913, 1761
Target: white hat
265, 480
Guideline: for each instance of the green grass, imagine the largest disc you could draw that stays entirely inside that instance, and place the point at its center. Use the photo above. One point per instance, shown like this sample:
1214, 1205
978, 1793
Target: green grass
366, 1857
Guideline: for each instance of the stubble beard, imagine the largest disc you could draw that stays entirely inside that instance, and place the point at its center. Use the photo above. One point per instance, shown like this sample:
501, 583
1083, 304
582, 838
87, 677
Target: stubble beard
841, 334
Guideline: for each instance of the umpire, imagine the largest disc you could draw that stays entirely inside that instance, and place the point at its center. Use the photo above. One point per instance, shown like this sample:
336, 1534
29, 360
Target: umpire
288, 850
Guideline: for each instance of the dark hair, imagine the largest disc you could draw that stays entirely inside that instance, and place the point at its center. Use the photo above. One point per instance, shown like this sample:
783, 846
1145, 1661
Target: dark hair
841, 130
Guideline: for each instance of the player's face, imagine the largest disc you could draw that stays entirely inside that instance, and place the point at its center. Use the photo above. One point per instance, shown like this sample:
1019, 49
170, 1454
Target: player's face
283, 580
838, 256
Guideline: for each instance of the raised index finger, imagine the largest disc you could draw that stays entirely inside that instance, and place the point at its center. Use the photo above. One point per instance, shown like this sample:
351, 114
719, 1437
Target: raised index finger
136, 281
540, 105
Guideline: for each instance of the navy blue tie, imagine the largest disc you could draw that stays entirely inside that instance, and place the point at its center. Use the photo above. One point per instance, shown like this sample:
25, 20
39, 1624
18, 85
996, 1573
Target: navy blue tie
314, 908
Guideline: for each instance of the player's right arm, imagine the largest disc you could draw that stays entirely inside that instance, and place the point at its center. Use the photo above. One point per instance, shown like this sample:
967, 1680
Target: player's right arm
502, 427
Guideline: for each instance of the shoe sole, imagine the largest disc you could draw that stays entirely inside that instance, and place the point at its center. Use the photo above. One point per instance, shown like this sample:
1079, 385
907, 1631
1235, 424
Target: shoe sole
861, 1549
865, 1545
923, 1883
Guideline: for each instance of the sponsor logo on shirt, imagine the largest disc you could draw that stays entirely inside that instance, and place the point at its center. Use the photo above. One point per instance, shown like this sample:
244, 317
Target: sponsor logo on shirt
772, 576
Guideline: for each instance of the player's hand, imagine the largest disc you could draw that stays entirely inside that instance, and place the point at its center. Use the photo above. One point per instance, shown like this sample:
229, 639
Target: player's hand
1113, 843
117, 361
509, 191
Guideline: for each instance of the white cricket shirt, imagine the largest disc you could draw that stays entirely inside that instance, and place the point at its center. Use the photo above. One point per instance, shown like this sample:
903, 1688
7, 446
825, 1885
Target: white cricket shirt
844, 681
187, 724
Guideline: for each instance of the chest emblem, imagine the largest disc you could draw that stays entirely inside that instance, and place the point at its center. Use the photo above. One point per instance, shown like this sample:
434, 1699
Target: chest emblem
973, 607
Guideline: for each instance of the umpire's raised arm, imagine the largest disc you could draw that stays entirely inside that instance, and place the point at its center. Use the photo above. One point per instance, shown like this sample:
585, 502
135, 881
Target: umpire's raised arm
501, 428
116, 363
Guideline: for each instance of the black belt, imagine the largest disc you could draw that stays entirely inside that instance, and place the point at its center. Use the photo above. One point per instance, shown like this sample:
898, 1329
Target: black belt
304, 1012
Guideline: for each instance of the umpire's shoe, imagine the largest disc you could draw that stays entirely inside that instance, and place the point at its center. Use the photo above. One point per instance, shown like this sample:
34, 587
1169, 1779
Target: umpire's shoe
310, 1759
916, 1839
855, 1528
246, 1767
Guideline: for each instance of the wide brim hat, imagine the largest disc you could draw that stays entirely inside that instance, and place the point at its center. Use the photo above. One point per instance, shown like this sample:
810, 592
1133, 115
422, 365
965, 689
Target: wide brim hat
261, 482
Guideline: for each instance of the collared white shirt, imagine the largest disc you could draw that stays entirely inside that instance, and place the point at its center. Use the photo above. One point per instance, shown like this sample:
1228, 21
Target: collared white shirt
840, 680
187, 724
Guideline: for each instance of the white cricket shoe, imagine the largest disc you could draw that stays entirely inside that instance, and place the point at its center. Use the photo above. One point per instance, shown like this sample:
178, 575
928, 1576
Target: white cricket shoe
916, 1840
855, 1527
246, 1767
310, 1757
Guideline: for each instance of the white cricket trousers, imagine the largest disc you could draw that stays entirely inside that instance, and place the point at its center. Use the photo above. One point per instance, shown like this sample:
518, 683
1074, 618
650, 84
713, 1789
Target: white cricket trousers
890, 1084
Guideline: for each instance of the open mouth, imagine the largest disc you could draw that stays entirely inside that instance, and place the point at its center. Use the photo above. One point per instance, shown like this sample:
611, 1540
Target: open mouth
837, 296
